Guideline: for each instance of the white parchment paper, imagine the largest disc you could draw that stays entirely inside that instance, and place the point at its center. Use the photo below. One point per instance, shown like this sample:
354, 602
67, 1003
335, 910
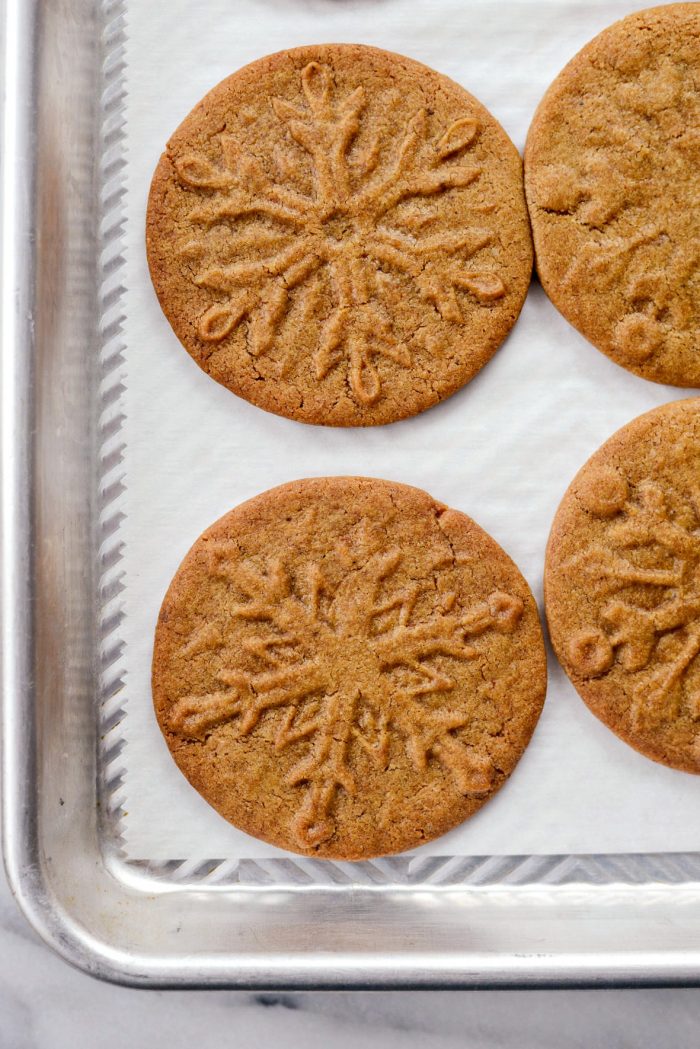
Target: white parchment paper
503, 449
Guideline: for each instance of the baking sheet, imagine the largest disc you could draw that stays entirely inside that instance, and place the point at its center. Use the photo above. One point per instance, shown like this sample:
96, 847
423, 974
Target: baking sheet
503, 449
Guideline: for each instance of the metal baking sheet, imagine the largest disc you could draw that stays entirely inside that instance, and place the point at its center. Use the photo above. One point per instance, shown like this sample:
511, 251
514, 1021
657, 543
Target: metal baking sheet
274, 922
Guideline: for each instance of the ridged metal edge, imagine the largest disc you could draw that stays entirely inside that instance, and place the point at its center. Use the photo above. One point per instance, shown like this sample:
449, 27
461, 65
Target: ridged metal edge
431, 872
111, 488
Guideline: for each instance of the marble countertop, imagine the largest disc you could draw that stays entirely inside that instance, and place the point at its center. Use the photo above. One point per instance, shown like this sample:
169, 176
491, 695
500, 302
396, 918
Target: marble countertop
45, 1004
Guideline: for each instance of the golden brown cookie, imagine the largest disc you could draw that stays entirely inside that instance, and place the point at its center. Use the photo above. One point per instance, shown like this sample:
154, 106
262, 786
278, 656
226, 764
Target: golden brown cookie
612, 176
622, 584
339, 235
346, 668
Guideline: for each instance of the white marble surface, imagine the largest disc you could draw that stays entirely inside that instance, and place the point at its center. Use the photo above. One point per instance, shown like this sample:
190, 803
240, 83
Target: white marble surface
45, 1004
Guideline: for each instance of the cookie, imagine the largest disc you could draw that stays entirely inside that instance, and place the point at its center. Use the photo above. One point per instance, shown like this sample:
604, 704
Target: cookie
612, 177
346, 668
622, 584
339, 235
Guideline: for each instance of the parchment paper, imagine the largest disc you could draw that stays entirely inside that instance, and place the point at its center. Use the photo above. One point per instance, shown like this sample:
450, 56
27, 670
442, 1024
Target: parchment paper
503, 449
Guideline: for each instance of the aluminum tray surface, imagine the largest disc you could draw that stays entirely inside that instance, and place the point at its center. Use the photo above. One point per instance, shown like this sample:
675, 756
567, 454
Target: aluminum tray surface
437, 922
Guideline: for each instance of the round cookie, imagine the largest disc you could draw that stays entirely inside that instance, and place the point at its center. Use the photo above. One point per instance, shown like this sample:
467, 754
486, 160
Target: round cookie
346, 668
612, 178
339, 235
622, 584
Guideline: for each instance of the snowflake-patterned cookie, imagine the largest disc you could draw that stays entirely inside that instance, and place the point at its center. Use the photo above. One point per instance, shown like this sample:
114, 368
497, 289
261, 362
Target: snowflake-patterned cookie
339, 235
346, 668
612, 175
622, 584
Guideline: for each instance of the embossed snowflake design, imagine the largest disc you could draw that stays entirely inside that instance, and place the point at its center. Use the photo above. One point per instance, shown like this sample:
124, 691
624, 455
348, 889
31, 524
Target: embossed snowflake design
347, 237
646, 137
341, 669
649, 567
